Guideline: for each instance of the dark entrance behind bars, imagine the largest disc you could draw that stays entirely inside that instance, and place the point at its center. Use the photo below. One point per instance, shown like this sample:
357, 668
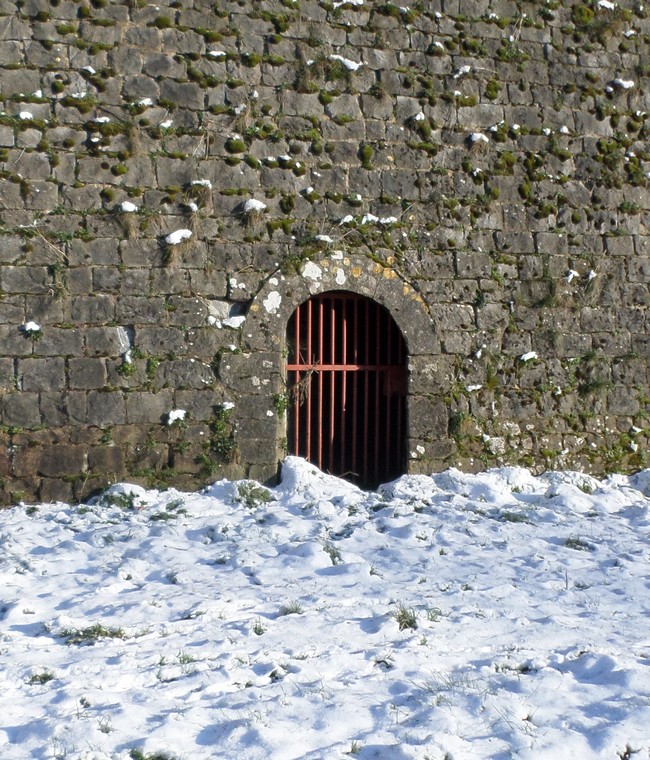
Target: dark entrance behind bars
347, 380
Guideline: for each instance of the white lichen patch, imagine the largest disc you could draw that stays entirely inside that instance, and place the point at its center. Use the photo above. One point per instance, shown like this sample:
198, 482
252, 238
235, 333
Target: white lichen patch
312, 271
272, 302
233, 322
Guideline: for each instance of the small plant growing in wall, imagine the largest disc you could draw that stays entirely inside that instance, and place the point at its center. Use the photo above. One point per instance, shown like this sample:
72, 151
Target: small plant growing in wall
222, 433
174, 242
252, 211
281, 403
126, 212
126, 369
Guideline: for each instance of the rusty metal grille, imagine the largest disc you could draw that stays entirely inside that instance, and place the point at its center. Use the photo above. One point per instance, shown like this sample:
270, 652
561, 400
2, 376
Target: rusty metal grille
347, 378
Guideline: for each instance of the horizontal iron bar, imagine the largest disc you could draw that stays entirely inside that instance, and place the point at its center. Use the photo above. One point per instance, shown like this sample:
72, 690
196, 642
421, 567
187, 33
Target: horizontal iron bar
341, 367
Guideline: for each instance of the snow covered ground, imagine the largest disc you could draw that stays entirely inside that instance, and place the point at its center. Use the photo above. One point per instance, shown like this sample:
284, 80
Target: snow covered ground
457, 616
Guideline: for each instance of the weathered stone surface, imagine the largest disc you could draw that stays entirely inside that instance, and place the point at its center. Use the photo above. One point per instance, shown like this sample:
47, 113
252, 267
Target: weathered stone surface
105, 408
56, 461
491, 197
41, 374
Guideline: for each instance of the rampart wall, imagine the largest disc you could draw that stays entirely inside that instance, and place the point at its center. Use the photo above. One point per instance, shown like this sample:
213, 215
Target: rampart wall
480, 167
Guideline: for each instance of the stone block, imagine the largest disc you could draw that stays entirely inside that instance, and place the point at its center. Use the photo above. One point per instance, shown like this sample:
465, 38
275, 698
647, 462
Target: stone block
639, 268
98, 252
473, 264
54, 409
184, 373
621, 401
41, 374
86, 373
93, 309
106, 459
184, 95
140, 87
157, 341
26, 460
105, 408
53, 490
103, 341
18, 81
25, 280
449, 317
427, 417
20, 409
56, 341
61, 460
149, 407
141, 310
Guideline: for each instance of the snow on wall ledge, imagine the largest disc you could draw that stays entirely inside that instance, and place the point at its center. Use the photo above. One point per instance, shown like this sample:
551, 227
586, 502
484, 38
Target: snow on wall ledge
484, 176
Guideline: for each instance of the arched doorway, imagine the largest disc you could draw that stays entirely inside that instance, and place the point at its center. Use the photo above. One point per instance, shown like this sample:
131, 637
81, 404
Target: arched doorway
347, 380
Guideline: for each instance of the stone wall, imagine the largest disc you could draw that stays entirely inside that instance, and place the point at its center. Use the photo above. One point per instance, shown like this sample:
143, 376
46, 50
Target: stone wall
479, 167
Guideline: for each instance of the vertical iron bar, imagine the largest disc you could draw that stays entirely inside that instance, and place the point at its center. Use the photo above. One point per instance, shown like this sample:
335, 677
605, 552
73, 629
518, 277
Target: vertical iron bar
320, 384
309, 378
344, 379
296, 394
332, 467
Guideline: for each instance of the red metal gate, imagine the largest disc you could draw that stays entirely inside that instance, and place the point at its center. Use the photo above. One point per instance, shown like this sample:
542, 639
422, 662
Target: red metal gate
347, 379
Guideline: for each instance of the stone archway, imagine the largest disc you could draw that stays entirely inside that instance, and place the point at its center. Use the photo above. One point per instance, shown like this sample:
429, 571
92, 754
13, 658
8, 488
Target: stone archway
257, 373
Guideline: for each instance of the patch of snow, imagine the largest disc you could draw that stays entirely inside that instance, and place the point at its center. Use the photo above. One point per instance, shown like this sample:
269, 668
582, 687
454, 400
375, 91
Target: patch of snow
216, 53
128, 208
166, 124
349, 65
174, 238
176, 415
202, 183
252, 205
528, 356
234, 615
30, 327
324, 239
227, 405
606, 5
26, 115
571, 275
478, 137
